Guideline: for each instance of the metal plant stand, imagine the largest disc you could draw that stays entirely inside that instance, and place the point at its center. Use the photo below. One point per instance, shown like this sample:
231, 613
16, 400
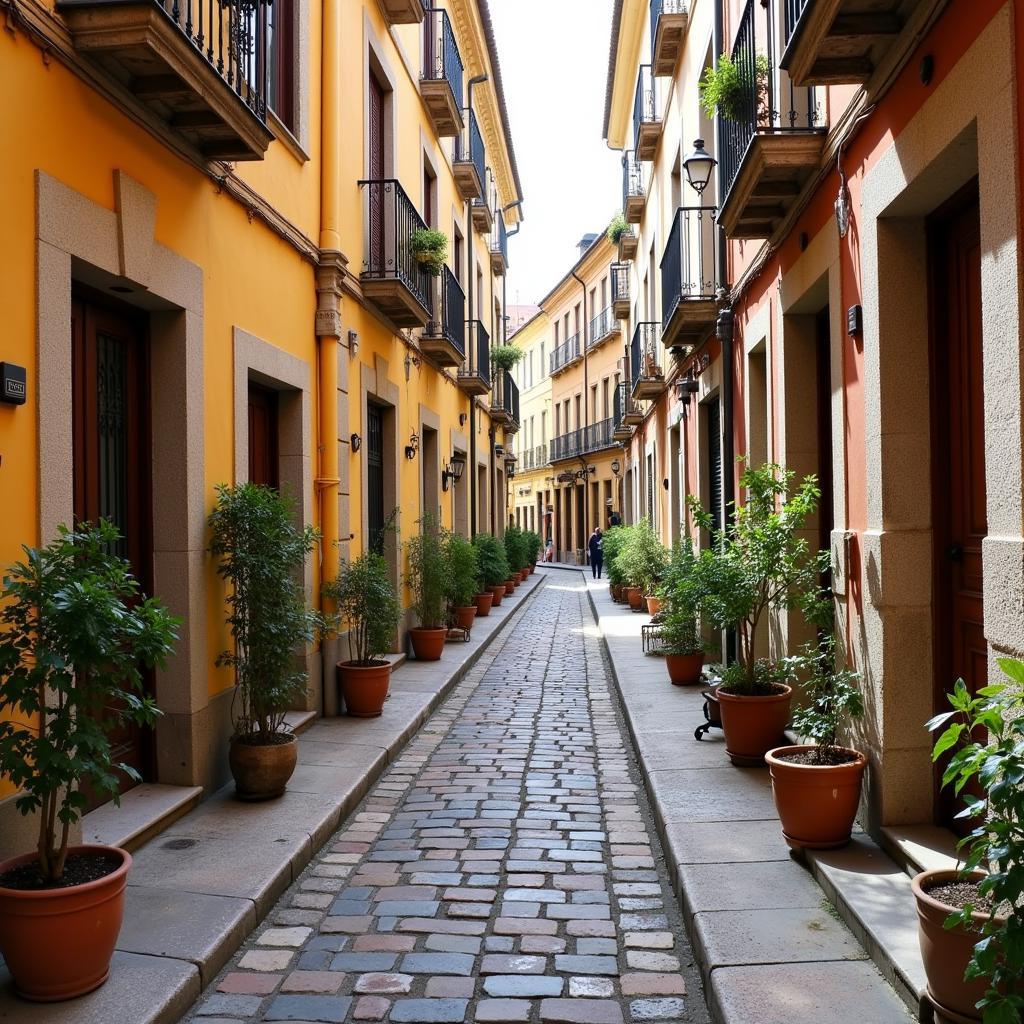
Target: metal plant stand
712, 714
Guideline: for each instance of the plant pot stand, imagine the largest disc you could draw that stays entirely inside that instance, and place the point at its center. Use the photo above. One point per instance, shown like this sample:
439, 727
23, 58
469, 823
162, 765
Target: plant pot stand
459, 633
712, 715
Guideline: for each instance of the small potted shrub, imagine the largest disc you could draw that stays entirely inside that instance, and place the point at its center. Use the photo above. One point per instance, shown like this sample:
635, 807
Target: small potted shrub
516, 553
461, 558
617, 228
427, 578
493, 566
725, 88
533, 546
643, 560
817, 785
368, 607
681, 639
505, 357
612, 542
429, 248
759, 563
971, 922
261, 553
75, 637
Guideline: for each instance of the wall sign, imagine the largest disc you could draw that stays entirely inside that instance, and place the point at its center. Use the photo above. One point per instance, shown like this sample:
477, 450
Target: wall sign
13, 384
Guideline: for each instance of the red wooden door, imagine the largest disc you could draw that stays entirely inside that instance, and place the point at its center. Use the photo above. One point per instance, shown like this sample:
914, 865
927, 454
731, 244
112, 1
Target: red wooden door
958, 466
111, 441
375, 172
263, 433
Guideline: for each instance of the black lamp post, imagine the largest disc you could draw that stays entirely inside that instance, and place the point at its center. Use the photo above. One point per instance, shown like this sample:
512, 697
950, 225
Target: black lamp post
699, 165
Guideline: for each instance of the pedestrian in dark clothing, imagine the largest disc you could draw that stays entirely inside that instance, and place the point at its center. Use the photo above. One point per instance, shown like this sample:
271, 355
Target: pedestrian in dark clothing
615, 519
596, 554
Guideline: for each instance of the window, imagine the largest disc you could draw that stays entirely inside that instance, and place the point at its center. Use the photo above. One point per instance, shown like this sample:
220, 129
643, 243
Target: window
457, 256
556, 334
604, 292
543, 362
543, 428
604, 399
429, 194
281, 86
593, 403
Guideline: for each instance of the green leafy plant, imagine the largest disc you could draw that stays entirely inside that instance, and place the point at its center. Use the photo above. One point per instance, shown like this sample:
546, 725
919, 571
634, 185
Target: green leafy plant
515, 548
760, 562
643, 558
506, 356
491, 561
680, 633
76, 635
427, 573
617, 228
261, 553
533, 545
463, 568
612, 542
680, 628
725, 88
985, 733
367, 607
429, 248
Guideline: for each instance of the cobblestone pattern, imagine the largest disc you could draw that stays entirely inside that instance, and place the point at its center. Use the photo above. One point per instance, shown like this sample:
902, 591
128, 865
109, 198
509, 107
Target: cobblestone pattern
502, 871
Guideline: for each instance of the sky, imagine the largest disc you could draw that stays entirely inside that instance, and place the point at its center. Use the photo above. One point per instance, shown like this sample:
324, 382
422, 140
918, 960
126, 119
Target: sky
554, 62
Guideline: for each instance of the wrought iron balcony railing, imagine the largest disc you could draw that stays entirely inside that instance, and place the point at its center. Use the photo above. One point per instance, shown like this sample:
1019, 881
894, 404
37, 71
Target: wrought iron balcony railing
646, 120
540, 455
646, 360
505, 397
499, 244
442, 61
792, 11
567, 446
566, 353
624, 408
469, 149
601, 327
478, 356
619, 274
599, 435
689, 267
632, 179
449, 320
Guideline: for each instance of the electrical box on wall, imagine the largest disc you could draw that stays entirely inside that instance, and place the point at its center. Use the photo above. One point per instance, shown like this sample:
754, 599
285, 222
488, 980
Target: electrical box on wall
13, 384
855, 320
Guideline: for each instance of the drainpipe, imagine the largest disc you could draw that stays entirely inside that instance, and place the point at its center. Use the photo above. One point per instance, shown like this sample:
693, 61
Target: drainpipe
586, 401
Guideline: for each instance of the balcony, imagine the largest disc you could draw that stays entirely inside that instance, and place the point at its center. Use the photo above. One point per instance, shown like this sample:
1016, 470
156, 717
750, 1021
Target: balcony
689, 269
441, 81
646, 119
392, 278
403, 12
566, 354
505, 401
645, 360
668, 30
444, 339
201, 66
600, 435
603, 327
843, 42
634, 196
628, 245
625, 414
485, 207
567, 446
475, 373
773, 138
470, 166
540, 456
499, 247
619, 273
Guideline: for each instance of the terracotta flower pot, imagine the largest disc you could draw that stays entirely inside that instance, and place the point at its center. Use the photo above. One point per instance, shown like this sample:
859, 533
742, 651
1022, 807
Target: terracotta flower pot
524, 573
635, 596
946, 952
464, 616
57, 943
617, 592
510, 587
428, 644
533, 568
684, 669
498, 593
262, 771
364, 687
816, 803
653, 605
483, 604
753, 725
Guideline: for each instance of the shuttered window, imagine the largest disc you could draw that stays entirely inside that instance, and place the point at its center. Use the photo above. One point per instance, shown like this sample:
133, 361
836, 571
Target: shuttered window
715, 462
375, 477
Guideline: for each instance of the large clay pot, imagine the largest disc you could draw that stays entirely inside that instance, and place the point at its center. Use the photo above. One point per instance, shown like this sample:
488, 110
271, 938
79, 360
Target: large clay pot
498, 593
483, 604
57, 943
523, 573
684, 669
635, 596
364, 687
946, 952
464, 616
617, 593
510, 587
653, 605
753, 725
428, 644
261, 770
816, 803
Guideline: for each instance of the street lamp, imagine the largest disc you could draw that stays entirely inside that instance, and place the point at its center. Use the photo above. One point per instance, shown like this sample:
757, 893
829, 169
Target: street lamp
616, 467
699, 165
453, 470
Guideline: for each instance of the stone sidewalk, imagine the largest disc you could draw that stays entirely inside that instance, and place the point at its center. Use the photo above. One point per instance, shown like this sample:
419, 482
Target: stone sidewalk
771, 948
502, 871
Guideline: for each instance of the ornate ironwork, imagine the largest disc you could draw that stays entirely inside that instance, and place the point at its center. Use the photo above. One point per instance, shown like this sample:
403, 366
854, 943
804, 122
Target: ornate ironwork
645, 355
689, 266
442, 61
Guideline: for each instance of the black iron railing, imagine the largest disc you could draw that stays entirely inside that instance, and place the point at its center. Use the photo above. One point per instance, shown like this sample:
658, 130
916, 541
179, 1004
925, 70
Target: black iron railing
478, 353
660, 7
391, 220
540, 455
689, 265
566, 353
469, 147
644, 355
623, 404
645, 109
442, 61
768, 102
792, 11
567, 446
499, 236
450, 319
505, 394
601, 326
599, 435
632, 177
619, 273
489, 200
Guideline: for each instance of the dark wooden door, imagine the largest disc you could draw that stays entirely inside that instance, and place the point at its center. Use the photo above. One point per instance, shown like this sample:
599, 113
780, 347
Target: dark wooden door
958, 466
264, 466
375, 477
111, 443
823, 366
375, 172
714, 422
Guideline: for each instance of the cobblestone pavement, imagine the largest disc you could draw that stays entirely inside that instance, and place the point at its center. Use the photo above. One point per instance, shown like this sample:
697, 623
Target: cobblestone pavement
503, 870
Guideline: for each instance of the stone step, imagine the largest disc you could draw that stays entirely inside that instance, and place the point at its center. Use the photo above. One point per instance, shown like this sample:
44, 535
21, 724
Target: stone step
146, 811
919, 848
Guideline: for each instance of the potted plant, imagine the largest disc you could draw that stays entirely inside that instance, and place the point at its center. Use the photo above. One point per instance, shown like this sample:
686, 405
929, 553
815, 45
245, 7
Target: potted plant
642, 560
367, 606
533, 544
758, 563
76, 635
817, 785
617, 228
505, 357
429, 248
261, 553
493, 566
681, 640
725, 88
516, 552
427, 578
971, 922
613, 540
461, 560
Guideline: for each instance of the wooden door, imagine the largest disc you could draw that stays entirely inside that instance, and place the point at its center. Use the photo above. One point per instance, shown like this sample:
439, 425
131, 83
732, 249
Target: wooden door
958, 465
264, 465
375, 172
714, 424
375, 477
111, 446
823, 366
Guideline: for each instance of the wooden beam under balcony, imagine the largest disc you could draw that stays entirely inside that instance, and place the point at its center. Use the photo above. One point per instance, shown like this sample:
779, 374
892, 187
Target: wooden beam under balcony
442, 107
773, 171
647, 139
467, 179
634, 208
483, 216
403, 12
668, 42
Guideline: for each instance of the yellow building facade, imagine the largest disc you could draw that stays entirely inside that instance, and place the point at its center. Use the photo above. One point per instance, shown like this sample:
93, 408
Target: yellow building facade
209, 278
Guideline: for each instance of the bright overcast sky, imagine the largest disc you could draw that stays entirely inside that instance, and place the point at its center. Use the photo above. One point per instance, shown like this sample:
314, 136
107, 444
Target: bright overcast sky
554, 62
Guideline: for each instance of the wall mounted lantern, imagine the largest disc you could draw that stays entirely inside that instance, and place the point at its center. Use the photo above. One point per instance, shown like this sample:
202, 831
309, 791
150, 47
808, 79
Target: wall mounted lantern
616, 467
699, 165
413, 446
510, 465
357, 443
453, 470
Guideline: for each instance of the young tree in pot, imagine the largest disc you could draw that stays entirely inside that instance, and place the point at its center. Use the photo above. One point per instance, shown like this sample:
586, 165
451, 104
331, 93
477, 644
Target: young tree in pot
643, 560
533, 544
515, 552
758, 564
76, 635
426, 577
971, 922
681, 640
462, 573
493, 566
613, 541
261, 554
368, 607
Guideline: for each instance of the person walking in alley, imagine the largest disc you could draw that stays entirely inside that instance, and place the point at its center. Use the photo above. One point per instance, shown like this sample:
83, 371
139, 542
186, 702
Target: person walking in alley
596, 554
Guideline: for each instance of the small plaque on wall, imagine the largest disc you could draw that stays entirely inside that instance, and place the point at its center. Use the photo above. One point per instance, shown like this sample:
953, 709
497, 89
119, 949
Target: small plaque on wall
13, 384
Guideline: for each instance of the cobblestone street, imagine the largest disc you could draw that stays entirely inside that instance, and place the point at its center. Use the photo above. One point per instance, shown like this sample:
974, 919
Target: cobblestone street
503, 869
